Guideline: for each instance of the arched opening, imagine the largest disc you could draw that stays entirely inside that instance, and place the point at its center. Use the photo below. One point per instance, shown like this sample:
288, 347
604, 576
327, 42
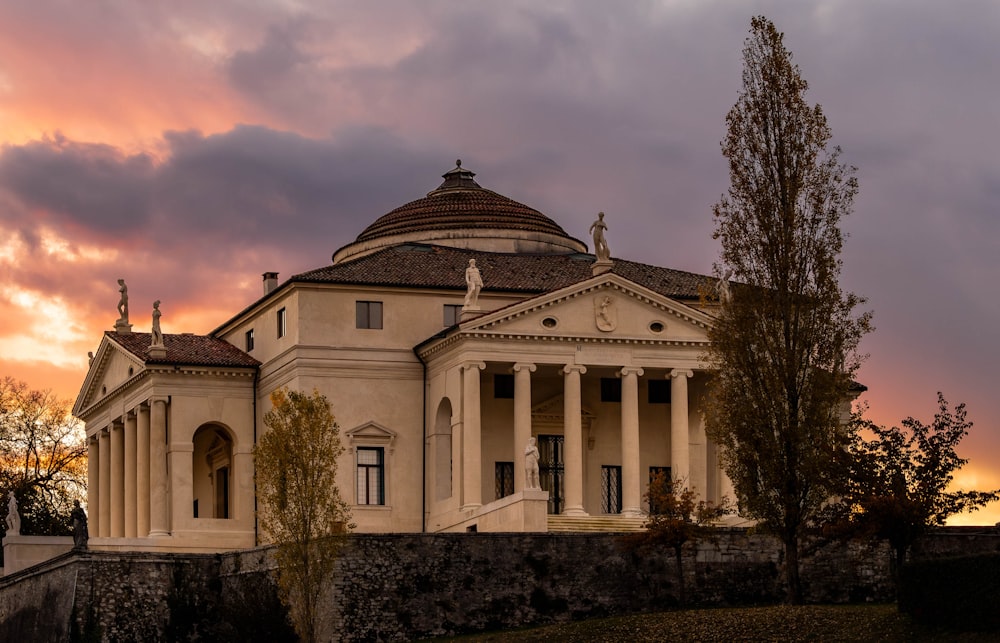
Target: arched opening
442, 451
212, 472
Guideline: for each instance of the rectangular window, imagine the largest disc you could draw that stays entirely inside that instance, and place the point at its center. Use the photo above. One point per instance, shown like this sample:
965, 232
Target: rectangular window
369, 314
611, 389
659, 391
249, 340
281, 323
504, 479
503, 386
653, 473
611, 489
371, 476
452, 315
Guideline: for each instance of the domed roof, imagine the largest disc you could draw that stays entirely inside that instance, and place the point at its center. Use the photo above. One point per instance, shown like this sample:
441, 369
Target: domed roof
461, 213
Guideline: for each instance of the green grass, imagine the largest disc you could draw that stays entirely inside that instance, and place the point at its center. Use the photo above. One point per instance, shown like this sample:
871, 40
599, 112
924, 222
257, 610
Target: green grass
814, 623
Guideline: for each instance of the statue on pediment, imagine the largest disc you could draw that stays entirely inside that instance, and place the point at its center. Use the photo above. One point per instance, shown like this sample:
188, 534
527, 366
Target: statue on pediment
157, 334
123, 301
722, 287
600, 243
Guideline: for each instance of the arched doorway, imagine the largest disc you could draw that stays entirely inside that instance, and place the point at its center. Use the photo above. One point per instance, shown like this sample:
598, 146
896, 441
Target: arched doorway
212, 472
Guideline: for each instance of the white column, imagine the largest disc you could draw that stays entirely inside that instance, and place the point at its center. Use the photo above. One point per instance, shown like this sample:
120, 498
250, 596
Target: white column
159, 521
631, 486
472, 452
94, 482
679, 458
573, 440
142, 471
697, 457
117, 479
104, 506
130, 474
522, 419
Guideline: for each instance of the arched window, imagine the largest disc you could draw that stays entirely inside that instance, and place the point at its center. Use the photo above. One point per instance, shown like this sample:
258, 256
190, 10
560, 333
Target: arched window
442, 451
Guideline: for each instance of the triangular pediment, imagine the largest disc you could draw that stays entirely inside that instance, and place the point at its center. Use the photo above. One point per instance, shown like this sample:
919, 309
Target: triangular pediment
111, 367
371, 432
605, 307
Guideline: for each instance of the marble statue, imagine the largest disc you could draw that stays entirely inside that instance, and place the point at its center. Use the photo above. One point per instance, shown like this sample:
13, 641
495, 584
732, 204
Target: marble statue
123, 301
722, 287
157, 334
531, 465
90, 358
474, 282
600, 243
80, 533
13, 518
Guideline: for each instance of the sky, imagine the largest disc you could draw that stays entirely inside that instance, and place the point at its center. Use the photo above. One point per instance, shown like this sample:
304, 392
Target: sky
190, 146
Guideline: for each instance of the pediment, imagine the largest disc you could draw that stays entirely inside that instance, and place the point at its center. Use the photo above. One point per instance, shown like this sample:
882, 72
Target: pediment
111, 367
371, 433
605, 307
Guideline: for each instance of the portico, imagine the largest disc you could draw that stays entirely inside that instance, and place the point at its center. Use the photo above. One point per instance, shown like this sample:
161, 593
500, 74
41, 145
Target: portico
616, 405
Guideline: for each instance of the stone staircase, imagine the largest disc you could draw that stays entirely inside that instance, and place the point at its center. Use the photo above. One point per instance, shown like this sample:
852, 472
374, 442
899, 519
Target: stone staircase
608, 523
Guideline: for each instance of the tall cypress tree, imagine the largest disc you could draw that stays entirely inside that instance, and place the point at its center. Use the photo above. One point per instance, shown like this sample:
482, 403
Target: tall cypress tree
784, 348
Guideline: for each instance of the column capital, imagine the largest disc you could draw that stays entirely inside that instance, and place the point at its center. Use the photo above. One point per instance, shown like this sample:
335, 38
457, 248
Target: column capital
117, 423
630, 370
157, 398
574, 368
680, 372
524, 366
130, 414
473, 364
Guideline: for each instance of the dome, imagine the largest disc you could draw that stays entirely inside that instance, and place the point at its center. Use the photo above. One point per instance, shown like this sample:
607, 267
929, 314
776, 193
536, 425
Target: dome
460, 213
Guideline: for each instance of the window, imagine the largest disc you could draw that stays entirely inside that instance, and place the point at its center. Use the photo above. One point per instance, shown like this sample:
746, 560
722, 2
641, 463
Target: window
611, 389
371, 476
281, 323
369, 314
503, 386
653, 473
249, 340
504, 479
611, 489
452, 315
659, 391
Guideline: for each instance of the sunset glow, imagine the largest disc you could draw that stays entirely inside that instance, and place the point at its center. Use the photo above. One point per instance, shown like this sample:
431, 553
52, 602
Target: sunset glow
189, 147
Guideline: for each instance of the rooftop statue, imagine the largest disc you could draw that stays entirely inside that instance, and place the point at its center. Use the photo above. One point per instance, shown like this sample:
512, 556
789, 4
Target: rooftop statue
600, 243
157, 334
474, 282
123, 301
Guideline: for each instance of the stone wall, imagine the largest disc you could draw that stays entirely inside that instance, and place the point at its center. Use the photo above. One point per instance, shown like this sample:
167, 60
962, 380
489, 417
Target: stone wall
403, 586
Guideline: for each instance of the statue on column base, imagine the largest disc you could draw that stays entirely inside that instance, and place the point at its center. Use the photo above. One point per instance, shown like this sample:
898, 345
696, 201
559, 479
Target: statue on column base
531, 480
13, 517
122, 327
80, 532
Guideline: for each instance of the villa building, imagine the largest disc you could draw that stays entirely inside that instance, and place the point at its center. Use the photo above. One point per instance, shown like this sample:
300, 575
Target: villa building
453, 330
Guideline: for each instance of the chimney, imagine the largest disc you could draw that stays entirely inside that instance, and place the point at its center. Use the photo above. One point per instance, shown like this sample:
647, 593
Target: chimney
270, 282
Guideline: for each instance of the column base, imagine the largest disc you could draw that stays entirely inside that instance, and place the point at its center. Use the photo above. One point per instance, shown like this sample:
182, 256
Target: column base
472, 506
159, 534
574, 511
631, 512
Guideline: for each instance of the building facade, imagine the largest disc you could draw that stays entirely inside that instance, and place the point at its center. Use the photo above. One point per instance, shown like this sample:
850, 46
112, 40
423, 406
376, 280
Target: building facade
452, 332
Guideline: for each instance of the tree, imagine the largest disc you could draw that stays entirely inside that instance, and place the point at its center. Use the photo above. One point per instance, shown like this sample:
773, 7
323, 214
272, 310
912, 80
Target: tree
300, 505
900, 479
43, 458
676, 518
784, 345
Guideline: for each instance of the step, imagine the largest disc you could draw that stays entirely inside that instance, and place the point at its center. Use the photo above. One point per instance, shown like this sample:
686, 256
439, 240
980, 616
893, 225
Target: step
606, 523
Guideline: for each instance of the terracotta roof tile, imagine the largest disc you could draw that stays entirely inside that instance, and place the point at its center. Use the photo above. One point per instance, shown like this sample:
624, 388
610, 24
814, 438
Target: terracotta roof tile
427, 266
187, 349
